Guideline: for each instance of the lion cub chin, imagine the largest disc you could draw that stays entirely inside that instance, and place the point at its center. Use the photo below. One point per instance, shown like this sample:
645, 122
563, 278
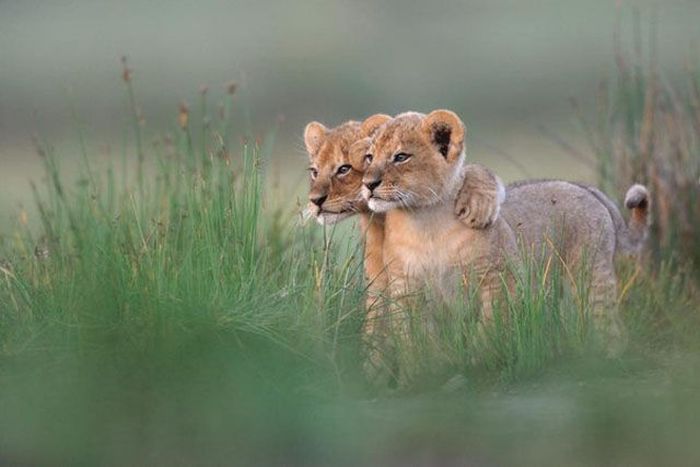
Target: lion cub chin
415, 172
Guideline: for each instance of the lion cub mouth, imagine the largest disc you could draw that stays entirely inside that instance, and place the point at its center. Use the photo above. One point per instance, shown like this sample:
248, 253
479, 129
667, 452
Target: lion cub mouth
377, 204
381, 205
330, 217
327, 217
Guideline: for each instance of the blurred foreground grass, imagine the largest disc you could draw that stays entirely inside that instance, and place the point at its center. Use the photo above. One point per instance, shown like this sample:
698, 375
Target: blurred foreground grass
176, 316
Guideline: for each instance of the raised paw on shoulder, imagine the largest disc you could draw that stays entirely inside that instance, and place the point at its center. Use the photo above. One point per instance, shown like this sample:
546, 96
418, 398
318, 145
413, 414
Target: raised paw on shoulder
479, 200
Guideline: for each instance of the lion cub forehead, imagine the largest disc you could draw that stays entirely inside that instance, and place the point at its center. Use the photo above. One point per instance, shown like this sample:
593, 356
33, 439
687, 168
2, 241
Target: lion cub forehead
337, 142
400, 131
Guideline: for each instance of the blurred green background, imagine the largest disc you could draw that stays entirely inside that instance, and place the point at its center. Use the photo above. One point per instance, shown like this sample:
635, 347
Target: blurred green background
97, 367
508, 67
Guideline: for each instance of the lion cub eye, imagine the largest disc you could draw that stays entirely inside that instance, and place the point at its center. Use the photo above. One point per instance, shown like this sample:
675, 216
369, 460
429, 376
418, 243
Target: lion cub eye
314, 173
343, 169
401, 157
368, 159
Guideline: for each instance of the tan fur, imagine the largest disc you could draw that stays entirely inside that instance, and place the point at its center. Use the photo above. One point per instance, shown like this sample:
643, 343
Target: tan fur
425, 244
328, 150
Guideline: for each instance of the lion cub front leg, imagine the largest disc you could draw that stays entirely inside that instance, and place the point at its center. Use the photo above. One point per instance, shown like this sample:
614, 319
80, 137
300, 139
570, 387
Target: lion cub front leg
479, 199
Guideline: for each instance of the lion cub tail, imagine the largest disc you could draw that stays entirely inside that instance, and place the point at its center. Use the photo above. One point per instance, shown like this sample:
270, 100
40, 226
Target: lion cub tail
630, 235
638, 201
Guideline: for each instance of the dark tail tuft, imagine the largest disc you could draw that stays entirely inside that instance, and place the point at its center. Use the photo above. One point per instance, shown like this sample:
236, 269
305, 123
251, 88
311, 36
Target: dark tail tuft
638, 201
637, 197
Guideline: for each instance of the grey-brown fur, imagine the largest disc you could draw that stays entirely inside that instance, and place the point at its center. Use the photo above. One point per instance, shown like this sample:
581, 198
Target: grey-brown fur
579, 224
629, 236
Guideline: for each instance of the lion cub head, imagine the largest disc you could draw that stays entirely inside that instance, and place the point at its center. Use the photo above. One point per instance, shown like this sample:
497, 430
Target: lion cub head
415, 161
336, 159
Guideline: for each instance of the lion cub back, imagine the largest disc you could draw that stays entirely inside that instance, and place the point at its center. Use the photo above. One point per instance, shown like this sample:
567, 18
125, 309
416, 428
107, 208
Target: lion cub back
560, 215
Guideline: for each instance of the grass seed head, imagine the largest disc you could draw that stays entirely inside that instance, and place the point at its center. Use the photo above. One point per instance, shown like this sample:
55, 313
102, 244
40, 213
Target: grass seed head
184, 115
126, 71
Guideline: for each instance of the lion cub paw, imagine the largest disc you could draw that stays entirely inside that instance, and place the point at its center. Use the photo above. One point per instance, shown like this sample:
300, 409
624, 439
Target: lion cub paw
480, 197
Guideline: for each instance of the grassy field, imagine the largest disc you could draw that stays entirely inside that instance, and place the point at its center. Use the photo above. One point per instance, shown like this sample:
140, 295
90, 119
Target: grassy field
168, 310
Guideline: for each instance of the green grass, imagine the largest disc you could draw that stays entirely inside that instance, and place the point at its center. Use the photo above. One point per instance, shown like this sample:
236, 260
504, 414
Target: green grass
168, 312
647, 130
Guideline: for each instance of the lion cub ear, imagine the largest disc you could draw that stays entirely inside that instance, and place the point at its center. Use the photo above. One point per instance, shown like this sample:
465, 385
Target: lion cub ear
313, 136
445, 131
372, 124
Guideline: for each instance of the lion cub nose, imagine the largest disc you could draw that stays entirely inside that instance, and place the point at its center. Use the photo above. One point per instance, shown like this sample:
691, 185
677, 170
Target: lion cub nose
371, 185
318, 201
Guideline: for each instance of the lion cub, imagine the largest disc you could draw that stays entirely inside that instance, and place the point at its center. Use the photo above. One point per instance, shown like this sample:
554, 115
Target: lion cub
336, 158
415, 169
337, 163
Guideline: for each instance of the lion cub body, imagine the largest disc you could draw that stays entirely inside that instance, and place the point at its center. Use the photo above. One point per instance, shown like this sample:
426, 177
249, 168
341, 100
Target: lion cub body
561, 215
415, 174
581, 227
